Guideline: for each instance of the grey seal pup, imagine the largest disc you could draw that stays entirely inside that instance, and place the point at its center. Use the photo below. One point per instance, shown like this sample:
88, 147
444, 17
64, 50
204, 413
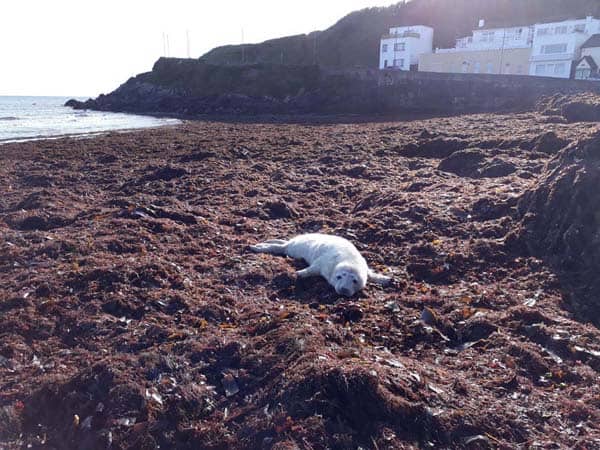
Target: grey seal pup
334, 258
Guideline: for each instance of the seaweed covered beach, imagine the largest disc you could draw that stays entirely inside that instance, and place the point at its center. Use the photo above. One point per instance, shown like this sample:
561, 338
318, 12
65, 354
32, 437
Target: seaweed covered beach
133, 315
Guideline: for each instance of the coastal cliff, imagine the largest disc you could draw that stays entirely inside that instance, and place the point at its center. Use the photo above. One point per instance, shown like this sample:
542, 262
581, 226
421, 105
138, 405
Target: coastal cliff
191, 88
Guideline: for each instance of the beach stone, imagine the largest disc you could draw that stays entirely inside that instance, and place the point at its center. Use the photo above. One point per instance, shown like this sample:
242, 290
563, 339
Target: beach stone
549, 143
463, 162
433, 148
497, 168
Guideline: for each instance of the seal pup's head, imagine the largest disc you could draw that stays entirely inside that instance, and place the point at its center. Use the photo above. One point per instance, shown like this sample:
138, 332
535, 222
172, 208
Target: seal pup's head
348, 280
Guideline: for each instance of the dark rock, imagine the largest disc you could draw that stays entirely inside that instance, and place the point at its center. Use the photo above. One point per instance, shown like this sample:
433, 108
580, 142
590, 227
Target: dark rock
356, 171
417, 186
426, 134
435, 148
581, 112
280, 210
491, 209
561, 219
107, 159
349, 312
549, 143
37, 181
36, 200
32, 223
198, 156
75, 104
166, 174
463, 162
583, 107
497, 168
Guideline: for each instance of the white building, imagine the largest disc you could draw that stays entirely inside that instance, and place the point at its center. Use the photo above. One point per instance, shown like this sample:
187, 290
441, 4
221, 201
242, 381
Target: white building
402, 47
556, 46
493, 39
587, 67
487, 50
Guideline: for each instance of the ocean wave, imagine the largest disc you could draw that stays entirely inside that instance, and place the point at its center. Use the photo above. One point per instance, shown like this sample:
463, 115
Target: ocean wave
9, 118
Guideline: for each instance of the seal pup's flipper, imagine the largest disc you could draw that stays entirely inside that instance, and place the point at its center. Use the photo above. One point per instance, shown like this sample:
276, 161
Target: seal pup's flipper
379, 278
311, 271
275, 247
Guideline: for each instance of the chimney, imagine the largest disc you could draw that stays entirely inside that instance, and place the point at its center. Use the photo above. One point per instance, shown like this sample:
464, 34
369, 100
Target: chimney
481, 23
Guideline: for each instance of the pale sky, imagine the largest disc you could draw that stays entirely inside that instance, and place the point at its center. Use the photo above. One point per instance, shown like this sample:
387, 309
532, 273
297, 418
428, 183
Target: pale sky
88, 47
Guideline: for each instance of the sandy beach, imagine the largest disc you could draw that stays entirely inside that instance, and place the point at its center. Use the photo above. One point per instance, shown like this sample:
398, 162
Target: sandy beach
133, 315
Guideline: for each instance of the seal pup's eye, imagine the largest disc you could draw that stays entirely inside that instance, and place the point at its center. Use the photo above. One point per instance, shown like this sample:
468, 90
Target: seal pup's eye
339, 277
355, 281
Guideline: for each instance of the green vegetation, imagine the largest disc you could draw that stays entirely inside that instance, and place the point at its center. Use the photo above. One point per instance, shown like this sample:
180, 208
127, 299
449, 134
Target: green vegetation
198, 79
354, 40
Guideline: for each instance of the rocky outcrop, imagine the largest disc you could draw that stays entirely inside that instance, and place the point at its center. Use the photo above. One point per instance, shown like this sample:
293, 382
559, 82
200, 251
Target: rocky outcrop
583, 107
188, 87
561, 222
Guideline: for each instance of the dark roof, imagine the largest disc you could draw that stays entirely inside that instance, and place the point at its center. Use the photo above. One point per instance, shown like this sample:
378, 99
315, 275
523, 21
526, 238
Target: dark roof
590, 61
594, 41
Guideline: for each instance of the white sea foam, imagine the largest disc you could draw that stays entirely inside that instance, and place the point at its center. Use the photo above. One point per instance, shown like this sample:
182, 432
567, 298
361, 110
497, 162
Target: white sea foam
29, 118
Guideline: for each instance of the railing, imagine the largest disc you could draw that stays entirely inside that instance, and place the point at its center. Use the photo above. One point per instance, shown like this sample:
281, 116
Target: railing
481, 48
552, 57
401, 35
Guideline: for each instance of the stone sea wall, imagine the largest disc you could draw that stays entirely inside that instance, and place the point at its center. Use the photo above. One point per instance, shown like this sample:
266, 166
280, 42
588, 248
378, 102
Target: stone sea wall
191, 88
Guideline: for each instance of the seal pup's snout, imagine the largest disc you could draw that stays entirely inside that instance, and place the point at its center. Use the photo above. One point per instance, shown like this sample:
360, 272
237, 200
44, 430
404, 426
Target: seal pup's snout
346, 292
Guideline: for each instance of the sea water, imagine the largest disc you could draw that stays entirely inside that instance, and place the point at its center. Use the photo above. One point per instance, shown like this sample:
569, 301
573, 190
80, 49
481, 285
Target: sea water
28, 118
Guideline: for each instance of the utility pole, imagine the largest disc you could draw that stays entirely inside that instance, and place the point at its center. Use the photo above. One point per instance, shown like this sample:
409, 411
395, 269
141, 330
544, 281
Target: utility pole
187, 37
395, 49
243, 48
502, 50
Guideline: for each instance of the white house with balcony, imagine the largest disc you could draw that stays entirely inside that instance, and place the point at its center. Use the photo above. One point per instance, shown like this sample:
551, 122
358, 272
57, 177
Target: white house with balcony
557, 45
402, 47
587, 67
488, 50
494, 39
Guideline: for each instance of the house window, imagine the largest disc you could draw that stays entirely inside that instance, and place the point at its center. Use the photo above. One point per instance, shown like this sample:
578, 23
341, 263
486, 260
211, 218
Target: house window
384, 48
487, 36
399, 46
561, 30
559, 69
540, 69
580, 28
399, 62
490, 67
582, 74
519, 34
554, 48
543, 31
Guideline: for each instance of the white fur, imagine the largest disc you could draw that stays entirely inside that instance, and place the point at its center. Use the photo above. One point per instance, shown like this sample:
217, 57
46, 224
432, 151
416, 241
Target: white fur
334, 258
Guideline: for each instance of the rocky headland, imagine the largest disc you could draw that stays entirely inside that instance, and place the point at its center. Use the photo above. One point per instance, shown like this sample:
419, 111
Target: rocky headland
192, 88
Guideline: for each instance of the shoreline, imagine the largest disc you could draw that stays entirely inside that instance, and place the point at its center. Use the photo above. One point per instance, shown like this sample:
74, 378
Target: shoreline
88, 135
